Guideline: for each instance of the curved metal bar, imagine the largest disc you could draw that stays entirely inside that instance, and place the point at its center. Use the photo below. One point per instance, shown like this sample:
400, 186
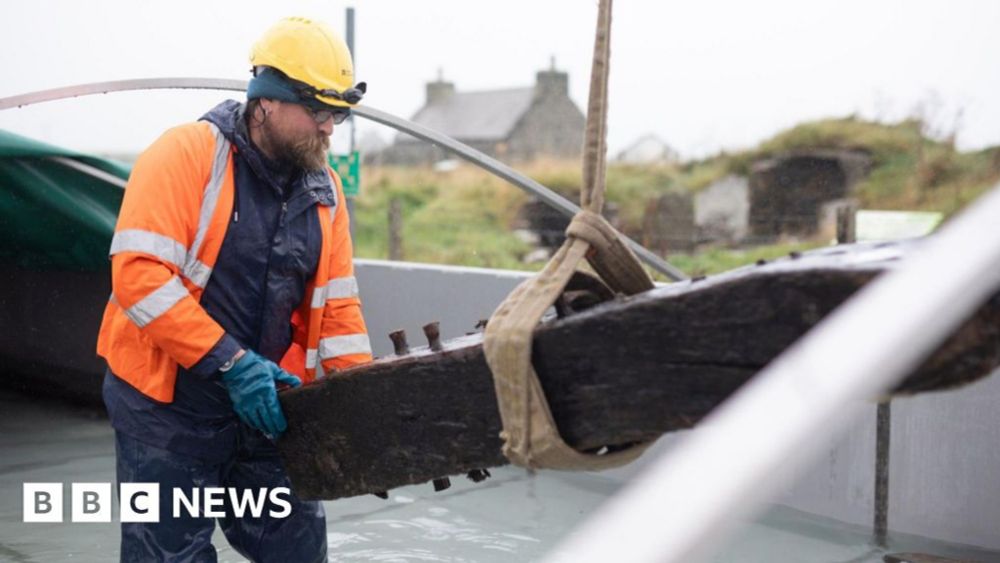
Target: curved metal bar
474, 156
122, 86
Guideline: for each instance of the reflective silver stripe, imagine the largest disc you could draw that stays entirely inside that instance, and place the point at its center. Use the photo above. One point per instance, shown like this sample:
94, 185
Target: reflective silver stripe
337, 288
164, 248
148, 242
195, 270
212, 188
342, 345
156, 303
312, 355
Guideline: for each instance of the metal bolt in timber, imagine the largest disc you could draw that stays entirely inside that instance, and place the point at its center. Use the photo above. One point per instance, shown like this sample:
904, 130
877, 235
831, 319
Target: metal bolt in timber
433, 333
478, 475
399, 345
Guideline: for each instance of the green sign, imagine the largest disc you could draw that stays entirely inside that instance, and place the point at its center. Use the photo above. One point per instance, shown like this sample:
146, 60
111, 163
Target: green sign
347, 166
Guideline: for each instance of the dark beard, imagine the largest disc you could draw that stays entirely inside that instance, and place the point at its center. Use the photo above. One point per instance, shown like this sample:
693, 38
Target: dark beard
308, 153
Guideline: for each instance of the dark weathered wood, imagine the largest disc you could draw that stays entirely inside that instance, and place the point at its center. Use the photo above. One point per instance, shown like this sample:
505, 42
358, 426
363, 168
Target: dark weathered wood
620, 372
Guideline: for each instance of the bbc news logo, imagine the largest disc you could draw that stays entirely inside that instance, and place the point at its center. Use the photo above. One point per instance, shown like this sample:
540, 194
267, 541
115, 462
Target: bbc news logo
140, 502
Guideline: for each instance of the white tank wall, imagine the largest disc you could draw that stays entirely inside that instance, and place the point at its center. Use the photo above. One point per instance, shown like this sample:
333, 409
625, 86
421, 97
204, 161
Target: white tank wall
944, 468
945, 464
841, 484
408, 295
945, 447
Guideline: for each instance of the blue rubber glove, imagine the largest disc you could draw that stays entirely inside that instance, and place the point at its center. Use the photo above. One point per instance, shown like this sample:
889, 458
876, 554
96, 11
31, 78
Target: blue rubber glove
255, 399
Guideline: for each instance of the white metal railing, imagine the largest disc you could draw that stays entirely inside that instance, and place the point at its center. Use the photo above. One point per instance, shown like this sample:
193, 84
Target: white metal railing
691, 498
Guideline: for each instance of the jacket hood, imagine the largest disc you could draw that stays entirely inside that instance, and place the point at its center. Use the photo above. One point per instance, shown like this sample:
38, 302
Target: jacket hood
228, 117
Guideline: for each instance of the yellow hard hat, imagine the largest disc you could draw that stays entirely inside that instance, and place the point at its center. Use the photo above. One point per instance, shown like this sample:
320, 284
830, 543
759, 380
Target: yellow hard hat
310, 52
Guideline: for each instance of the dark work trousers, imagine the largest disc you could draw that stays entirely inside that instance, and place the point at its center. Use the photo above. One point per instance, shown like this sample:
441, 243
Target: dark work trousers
299, 538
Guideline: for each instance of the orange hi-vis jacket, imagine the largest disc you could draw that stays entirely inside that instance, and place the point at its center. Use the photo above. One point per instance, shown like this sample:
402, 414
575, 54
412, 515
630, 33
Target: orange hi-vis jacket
170, 229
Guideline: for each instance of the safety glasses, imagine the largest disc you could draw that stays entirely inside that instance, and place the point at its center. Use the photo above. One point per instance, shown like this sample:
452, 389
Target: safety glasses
320, 116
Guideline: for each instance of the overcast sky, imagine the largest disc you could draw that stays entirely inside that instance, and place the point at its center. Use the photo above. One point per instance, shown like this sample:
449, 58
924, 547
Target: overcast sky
703, 75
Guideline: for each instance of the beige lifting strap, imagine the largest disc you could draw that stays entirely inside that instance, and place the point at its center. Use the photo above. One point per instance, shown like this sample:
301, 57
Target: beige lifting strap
531, 438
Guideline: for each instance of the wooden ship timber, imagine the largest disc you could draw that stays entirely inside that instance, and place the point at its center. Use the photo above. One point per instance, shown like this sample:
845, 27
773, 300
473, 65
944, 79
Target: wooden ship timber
616, 371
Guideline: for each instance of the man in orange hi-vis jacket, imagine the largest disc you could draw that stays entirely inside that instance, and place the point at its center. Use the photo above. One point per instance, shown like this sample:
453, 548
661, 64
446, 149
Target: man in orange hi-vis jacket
232, 277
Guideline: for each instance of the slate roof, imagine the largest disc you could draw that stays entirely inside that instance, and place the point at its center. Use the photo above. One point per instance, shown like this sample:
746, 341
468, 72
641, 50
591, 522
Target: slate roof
477, 116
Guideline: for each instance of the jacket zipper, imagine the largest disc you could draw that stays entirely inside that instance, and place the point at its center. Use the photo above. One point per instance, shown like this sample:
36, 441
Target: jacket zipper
236, 203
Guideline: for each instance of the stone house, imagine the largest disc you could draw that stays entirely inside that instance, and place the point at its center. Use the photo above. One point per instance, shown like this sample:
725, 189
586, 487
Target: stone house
516, 124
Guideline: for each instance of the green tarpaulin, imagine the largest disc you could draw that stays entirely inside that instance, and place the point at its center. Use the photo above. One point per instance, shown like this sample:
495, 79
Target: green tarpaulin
57, 207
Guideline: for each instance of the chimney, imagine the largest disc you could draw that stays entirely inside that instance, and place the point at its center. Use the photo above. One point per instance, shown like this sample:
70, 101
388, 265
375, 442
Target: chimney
551, 83
439, 90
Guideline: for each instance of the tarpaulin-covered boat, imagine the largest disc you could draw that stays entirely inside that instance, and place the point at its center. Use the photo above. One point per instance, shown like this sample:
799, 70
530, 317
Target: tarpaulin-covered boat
57, 215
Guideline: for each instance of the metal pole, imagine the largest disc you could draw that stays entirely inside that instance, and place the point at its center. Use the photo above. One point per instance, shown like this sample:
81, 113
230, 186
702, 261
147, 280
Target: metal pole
883, 434
395, 229
487, 163
350, 150
690, 499
354, 57
847, 233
